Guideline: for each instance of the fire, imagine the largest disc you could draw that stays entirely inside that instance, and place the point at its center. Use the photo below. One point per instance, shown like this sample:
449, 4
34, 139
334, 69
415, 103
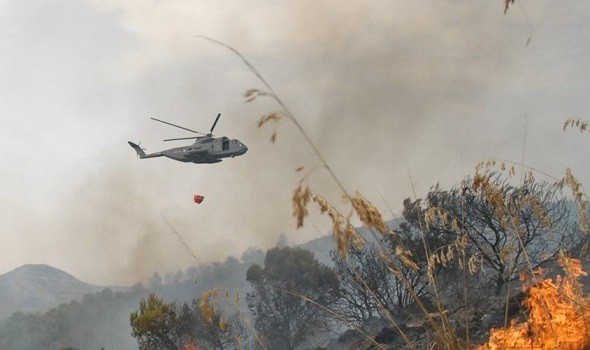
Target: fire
558, 316
190, 346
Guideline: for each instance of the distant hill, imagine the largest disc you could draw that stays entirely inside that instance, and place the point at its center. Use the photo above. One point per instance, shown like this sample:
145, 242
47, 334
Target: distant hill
38, 288
100, 317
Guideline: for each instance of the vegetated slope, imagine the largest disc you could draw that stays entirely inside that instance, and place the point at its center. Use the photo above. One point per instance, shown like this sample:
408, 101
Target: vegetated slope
38, 288
100, 318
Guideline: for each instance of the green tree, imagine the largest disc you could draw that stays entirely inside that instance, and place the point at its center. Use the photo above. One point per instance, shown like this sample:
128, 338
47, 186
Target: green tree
286, 295
160, 325
156, 325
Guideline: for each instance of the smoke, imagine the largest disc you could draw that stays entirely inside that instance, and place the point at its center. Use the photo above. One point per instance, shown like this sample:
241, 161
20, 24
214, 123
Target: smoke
437, 86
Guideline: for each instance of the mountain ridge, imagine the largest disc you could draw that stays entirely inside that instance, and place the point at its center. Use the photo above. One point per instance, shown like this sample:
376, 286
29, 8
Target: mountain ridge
32, 288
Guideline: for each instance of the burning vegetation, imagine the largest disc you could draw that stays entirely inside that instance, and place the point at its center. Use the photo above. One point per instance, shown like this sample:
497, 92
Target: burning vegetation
558, 315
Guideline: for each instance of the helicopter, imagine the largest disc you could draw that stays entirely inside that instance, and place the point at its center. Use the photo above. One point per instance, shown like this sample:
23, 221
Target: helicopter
205, 149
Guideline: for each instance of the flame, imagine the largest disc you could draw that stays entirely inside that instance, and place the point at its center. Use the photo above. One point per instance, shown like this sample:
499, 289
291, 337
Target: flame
190, 346
558, 316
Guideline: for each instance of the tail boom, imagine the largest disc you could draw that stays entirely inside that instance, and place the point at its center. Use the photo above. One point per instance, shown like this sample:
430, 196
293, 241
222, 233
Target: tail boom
141, 154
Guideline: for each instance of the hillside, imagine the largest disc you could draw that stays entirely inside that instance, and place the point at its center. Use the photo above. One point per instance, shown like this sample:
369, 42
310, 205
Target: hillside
100, 316
38, 288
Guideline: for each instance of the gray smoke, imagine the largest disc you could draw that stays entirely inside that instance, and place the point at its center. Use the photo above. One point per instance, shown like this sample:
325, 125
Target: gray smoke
439, 86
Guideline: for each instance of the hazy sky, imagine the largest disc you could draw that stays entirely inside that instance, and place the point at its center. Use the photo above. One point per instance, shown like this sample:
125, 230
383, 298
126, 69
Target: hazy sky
436, 85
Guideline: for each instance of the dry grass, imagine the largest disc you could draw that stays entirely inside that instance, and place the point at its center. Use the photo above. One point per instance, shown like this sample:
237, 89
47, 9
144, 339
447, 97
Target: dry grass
578, 194
576, 123
508, 215
345, 234
368, 214
208, 307
507, 4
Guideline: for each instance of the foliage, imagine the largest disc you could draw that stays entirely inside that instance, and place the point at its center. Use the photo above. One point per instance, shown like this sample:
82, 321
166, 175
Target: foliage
156, 325
98, 320
364, 285
508, 228
212, 330
161, 325
368, 288
287, 294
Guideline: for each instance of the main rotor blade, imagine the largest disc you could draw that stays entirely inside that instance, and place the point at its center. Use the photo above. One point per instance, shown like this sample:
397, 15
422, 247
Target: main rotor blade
178, 126
183, 138
215, 123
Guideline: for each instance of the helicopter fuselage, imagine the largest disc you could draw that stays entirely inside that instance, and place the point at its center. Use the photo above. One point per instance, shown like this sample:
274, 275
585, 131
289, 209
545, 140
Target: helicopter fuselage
207, 150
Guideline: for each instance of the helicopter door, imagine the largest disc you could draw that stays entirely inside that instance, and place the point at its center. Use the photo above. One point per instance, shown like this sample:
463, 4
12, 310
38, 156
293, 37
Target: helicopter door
224, 145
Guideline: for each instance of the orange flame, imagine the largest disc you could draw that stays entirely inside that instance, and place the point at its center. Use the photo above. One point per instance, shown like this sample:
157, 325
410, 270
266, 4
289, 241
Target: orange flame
558, 316
190, 346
